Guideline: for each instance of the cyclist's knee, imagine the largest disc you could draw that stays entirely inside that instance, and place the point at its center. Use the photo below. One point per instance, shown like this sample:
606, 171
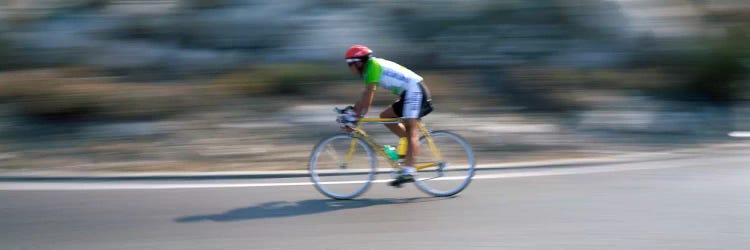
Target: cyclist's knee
412, 127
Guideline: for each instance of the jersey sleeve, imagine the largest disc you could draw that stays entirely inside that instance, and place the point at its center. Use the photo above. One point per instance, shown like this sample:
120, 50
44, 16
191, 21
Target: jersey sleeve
373, 72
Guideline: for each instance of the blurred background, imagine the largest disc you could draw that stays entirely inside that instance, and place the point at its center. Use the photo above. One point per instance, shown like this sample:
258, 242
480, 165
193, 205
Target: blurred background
214, 85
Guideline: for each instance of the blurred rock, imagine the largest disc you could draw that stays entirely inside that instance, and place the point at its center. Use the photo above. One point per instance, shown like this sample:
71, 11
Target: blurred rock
202, 35
178, 34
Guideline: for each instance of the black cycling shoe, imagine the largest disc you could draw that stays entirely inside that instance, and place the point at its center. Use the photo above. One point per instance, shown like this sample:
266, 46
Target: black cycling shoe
401, 179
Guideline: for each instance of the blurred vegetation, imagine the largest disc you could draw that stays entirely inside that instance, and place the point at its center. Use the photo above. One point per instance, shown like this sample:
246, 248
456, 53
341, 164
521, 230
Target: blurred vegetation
6, 54
280, 79
65, 94
220, 78
717, 73
712, 70
205, 4
80, 93
515, 47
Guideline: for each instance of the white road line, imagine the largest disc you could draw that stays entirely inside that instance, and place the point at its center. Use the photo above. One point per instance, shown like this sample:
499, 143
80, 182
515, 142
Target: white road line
52, 186
740, 134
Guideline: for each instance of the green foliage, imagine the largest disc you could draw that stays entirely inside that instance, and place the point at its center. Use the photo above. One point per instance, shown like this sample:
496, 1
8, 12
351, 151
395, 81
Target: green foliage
4, 56
712, 71
281, 79
718, 72
7, 58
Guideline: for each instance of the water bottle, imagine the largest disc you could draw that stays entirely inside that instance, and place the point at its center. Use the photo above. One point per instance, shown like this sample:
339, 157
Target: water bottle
391, 152
402, 146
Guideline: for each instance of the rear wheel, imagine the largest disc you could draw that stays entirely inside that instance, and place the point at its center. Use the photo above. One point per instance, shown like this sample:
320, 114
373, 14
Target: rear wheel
455, 169
336, 176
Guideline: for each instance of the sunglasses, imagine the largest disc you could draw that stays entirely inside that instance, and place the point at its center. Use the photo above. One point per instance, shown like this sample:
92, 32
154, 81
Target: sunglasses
351, 61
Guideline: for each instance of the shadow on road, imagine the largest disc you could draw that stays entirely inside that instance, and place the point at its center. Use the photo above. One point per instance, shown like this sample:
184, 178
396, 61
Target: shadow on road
289, 209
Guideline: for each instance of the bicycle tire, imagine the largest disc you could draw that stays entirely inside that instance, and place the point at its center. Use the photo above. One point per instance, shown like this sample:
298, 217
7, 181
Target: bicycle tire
458, 161
330, 174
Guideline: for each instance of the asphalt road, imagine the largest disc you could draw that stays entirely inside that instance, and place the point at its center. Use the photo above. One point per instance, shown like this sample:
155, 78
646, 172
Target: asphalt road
694, 201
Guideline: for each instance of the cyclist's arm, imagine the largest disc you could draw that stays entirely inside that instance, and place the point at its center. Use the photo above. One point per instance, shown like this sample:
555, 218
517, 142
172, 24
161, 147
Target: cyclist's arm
363, 105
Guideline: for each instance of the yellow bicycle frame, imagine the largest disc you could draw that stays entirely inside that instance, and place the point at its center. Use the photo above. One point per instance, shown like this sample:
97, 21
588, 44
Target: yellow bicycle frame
359, 132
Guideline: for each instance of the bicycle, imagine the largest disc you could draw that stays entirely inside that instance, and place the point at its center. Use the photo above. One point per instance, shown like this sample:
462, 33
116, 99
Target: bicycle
344, 166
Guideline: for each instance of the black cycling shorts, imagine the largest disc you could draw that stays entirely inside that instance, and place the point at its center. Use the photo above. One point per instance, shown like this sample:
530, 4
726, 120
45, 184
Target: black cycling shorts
425, 105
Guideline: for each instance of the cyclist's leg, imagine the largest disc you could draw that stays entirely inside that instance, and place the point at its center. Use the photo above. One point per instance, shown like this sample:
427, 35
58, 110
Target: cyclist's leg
410, 130
411, 113
412, 135
397, 129
408, 108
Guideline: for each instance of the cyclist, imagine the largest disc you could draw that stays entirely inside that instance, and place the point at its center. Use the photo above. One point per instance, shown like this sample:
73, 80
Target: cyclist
414, 101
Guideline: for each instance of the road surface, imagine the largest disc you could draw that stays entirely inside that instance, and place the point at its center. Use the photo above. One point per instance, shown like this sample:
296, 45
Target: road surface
692, 201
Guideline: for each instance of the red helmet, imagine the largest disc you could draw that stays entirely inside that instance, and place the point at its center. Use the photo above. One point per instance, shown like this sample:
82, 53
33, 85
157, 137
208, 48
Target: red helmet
357, 51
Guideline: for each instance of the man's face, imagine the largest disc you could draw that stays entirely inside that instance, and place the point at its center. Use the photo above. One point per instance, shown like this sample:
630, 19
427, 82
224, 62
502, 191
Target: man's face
354, 67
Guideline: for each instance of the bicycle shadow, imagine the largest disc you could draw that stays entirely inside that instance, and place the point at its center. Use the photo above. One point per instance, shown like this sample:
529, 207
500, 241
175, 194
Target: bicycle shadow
279, 209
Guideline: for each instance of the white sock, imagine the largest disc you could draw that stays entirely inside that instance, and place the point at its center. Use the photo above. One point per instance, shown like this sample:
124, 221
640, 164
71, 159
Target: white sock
408, 170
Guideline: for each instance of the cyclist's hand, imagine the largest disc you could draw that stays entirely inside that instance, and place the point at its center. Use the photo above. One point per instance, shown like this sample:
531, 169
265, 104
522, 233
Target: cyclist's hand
344, 110
349, 118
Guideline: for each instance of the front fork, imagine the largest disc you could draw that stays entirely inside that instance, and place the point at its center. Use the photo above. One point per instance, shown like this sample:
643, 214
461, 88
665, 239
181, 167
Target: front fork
350, 155
352, 146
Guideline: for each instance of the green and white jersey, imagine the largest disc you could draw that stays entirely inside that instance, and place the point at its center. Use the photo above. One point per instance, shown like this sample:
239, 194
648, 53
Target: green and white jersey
390, 75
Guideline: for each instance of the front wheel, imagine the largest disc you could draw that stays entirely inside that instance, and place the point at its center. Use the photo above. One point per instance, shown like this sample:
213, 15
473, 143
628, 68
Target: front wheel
455, 166
342, 166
